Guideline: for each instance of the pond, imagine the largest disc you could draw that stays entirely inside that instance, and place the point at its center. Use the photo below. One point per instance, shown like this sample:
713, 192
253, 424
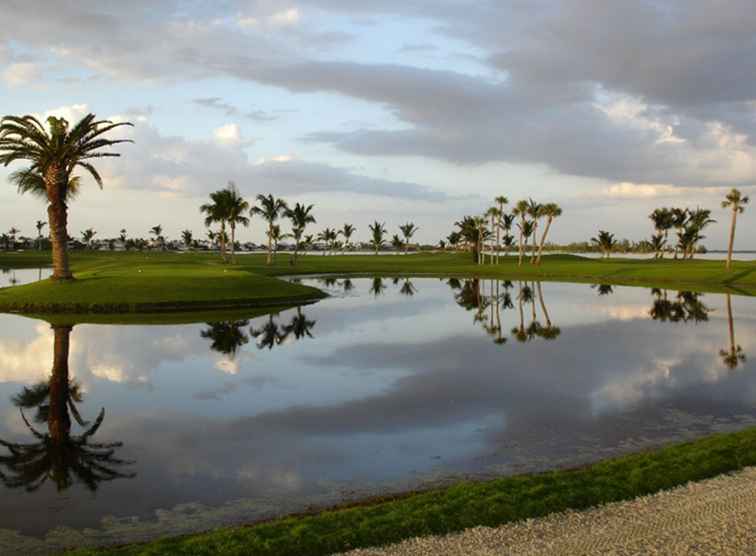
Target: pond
19, 276
389, 384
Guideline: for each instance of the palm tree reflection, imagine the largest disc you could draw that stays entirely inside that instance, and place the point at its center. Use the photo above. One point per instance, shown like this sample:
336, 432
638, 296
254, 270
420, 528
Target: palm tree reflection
58, 455
226, 337
272, 333
603, 289
734, 355
685, 307
377, 287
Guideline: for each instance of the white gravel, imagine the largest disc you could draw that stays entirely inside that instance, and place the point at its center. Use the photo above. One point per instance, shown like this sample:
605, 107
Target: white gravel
716, 517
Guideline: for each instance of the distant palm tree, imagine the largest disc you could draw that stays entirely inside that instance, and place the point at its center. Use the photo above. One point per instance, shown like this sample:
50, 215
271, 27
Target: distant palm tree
300, 217
378, 231
40, 226
657, 244
664, 221
551, 211
495, 215
408, 230
535, 211
521, 211
87, 236
276, 236
54, 153
605, 242
218, 211
397, 243
122, 236
501, 201
453, 239
527, 228
736, 201
157, 231
347, 231
187, 237
270, 210
237, 211
328, 237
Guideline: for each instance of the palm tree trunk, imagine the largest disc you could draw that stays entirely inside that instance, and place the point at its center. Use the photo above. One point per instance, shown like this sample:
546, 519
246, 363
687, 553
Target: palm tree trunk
731, 245
543, 239
543, 305
521, 247
535, 242
233, 241
223, 240
731, 325
57, 214
270, 244
58, 420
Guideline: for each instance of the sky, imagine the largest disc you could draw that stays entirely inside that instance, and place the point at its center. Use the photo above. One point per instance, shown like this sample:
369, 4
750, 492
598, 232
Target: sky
411, 110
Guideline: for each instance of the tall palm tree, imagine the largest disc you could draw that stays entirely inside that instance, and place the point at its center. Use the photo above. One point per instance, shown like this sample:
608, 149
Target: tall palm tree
378, 231
237, 214
408, 230
54, 154
737, 202
270, 209
697, 221
495, 215
40, 226
535, 211
679, 218
328, 236
551, 211
300, 217
527, 228
521, 211
664, 221
347, 231
187, 237
501, 201
218, 211
657, 244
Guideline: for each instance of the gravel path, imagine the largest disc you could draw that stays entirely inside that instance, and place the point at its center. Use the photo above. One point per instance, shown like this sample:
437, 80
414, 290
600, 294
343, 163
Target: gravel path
717, 517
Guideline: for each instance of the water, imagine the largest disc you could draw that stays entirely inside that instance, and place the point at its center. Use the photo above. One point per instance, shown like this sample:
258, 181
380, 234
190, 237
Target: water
386, 385
17, 277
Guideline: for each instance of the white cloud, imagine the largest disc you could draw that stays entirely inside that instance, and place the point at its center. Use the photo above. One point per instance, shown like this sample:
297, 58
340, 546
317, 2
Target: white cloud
22, 73
229, 134
285, 17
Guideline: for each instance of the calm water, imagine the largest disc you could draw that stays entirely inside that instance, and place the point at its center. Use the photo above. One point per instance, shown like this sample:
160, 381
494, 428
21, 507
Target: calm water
17, 277
384, 386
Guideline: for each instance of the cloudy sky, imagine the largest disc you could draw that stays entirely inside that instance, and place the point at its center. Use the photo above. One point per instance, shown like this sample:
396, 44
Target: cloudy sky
417, 110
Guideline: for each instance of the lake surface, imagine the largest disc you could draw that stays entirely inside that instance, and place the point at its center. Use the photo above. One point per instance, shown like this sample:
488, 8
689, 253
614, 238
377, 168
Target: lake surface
386, 385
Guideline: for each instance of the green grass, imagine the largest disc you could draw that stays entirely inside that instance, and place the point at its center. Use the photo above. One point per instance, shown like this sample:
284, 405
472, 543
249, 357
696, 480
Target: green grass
161, 282
466, 504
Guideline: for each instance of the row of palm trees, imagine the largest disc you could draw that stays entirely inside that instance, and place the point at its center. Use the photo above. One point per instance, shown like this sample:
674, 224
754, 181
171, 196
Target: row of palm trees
492, 231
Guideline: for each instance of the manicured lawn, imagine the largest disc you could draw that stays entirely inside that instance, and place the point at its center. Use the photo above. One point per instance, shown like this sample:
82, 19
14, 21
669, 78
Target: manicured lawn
467, 504
159, 282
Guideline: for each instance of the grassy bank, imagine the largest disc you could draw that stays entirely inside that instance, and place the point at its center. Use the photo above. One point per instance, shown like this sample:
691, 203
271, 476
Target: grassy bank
467, 504
161, 282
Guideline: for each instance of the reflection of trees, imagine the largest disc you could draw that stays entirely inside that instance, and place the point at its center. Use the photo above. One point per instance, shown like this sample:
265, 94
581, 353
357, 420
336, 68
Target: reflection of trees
684, 307
408, 288
603, 289
272, 333
734, 355
58, 455
377, 287
226, 337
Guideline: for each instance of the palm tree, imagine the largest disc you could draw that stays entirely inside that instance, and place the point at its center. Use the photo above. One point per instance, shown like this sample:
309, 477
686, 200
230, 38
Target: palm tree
237, 210
697, 221
157, 231
501, 201
471, 229
535, 211
397, 243
679, 220
378, 231
453, 239
54, 154
12, 233
87, 236
657, 244
527, 228
495, 215
521, 211
300, 217
328, 237
270, 209
551, 211
507, 222
187, 237
276, 237
347, 231
736, 201
664, 221
605, 241
408, 230
122, 235
218, 211
40, 226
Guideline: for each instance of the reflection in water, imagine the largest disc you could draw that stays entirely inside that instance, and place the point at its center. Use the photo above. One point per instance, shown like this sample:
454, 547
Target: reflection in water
272, 333
57, 454
226, 337
377, 287
685, 307
603, 289
733, 356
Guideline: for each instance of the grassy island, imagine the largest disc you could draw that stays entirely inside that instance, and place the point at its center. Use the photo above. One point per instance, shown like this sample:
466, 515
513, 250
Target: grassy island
154, 282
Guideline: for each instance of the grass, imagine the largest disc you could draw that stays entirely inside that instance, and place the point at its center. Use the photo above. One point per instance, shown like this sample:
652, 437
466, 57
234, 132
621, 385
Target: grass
466, 504
161, 282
